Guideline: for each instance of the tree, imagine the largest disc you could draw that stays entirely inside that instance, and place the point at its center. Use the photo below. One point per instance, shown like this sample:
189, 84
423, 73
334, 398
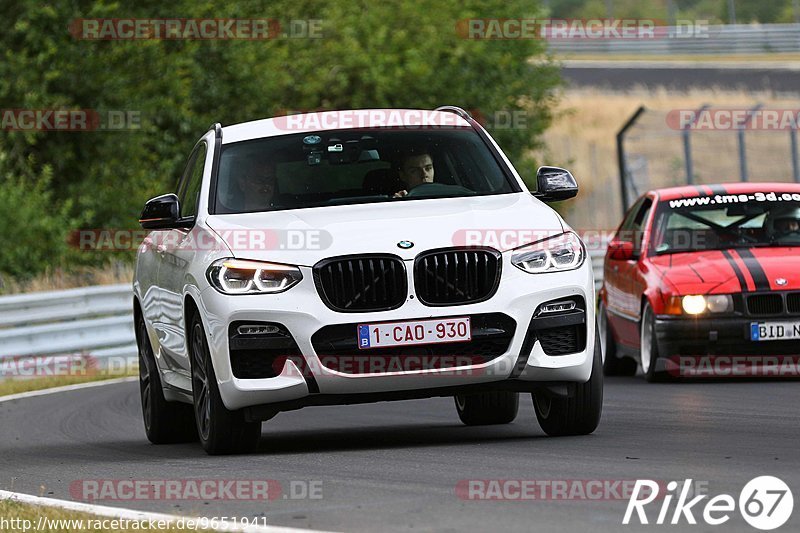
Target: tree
391, 54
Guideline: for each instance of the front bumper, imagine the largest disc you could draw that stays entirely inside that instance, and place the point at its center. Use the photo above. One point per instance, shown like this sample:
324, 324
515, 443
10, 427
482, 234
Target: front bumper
678, 336
523, 364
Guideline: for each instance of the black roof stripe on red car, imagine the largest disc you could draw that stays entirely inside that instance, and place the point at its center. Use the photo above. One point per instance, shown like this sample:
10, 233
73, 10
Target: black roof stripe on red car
718, 189
752, 264
736, 270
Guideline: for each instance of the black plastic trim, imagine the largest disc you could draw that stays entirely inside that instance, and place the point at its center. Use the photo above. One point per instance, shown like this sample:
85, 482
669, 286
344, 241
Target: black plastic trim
575, 317
212, 189
325, 298
267, 411
495, 283
492, 335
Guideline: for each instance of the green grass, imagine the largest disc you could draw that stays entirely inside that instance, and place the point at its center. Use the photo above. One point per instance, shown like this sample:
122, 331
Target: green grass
14, 386
11, 510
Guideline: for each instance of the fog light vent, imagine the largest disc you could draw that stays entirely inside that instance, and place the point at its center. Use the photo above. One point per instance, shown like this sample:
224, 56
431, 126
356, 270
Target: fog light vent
257, 329
558, 307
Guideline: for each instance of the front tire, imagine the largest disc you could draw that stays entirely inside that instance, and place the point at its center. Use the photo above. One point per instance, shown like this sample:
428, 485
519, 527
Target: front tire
579, 413
649, 347
221, 431
164, 422
613, 364
487, 408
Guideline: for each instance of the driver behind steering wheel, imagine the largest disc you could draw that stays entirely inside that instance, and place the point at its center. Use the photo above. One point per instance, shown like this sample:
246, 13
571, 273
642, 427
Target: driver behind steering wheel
415, 168
783, 223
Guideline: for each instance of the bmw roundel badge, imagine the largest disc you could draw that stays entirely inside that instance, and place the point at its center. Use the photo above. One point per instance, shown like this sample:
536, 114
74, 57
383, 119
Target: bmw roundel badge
405, 245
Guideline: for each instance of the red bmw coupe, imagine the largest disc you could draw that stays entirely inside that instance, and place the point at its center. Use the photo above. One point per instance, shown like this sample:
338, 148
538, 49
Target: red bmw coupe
706, 270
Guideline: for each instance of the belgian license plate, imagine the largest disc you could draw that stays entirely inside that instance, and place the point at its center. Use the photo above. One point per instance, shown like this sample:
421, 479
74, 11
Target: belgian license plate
774, 331
414, 332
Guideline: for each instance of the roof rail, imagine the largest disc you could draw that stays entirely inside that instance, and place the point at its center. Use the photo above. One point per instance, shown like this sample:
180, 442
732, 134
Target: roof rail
217, 127
455, 109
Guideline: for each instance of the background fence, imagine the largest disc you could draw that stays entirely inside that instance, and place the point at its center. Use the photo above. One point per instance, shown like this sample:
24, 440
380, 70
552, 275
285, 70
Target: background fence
657, 152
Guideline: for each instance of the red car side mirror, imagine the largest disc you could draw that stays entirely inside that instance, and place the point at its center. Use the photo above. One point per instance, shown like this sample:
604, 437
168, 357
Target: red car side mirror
620, 251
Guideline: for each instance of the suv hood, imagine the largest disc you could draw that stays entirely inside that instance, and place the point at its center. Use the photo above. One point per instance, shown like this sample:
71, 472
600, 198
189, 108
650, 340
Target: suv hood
305, 236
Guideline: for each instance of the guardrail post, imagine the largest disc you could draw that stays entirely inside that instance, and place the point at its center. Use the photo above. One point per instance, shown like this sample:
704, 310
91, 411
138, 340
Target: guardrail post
793, 147
742, 148
687, 145
623, 168
687, 156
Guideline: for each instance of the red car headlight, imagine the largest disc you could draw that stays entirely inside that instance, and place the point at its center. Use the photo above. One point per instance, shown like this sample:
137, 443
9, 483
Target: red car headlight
698, 304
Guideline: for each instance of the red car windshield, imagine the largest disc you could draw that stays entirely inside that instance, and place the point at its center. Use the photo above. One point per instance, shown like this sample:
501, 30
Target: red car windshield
720, 222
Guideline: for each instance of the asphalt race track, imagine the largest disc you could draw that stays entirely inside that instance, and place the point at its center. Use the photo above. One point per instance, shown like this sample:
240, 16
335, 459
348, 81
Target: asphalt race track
395, 466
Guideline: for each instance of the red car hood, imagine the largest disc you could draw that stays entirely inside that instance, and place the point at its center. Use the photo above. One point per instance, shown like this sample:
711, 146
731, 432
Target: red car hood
730, 271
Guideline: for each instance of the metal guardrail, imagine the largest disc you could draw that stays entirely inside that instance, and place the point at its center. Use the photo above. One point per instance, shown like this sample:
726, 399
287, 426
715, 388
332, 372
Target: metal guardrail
94, 322
597, 257
91, 321
667, 40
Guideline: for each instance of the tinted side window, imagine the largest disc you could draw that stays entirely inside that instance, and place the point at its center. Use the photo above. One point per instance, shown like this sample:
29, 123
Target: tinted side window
624, 234
639, 226
632, 228
189, 194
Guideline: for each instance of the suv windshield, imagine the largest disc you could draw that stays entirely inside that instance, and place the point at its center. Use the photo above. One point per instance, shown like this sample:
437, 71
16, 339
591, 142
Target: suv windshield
356, 166
688, 224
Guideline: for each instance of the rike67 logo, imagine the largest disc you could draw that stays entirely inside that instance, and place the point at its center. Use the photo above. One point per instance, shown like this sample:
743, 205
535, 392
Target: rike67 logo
765, 503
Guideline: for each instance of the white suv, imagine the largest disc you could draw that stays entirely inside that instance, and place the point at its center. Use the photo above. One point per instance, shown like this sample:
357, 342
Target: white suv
360, 256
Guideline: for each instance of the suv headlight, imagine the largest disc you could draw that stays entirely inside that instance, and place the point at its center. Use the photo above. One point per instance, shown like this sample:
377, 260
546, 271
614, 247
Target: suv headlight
236, 276
555, 254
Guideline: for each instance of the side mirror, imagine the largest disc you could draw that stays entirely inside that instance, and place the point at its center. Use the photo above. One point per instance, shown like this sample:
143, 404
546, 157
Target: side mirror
162, 212
555, 184
620, 250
